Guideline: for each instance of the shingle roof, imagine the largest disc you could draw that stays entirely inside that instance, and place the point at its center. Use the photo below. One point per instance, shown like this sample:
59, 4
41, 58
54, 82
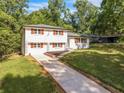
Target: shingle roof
72, 34
44, 26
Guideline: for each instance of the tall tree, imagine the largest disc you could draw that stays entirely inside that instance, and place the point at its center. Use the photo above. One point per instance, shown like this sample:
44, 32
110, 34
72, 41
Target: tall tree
56, 8
16, 9
86, 13
71, 19
7, 21
111, 18
12, 19
42, 16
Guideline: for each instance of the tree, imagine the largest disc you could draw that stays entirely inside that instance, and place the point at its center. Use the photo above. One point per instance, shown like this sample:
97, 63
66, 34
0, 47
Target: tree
12, 19
7, 21
15, 9
111, 18
86, 13
71, 19
56, 8
9, 42
41, 16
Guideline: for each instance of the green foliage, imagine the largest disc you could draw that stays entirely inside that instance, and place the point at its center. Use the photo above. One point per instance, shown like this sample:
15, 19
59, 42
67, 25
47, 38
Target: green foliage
14, 8
12, 19
9, 42
14, 12
121, 40
41, 16
56, 8
111, 18
86, 14
7, 21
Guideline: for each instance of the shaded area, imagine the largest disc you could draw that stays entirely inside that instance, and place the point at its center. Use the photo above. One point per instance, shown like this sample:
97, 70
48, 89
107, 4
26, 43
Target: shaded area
28, 84
105, 63
20, 74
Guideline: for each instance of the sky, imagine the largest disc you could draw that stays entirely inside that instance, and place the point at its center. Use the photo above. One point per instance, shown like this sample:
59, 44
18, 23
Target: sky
38, 4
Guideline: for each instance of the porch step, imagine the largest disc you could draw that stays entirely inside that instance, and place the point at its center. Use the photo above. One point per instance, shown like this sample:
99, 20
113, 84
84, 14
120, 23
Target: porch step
50, 55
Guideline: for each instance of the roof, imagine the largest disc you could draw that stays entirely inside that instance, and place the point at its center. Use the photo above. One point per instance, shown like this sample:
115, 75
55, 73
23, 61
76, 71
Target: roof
71, 34
96, 36
45, 26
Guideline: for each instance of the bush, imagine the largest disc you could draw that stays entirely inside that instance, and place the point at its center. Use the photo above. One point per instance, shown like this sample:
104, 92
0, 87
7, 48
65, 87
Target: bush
9, 42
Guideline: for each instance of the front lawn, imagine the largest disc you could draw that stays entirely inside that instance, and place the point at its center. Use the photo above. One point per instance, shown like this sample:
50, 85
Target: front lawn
22, 75
105, 62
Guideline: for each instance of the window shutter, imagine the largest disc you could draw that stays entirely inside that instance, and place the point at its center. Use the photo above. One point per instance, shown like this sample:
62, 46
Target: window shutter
53, 45
41, 45
32, 45
32, 31
62, 33
42, 31
54, 32
61, 44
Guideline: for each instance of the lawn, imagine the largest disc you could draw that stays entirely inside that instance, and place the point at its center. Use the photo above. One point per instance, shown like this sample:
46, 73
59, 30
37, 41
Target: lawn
105, 62
20, 74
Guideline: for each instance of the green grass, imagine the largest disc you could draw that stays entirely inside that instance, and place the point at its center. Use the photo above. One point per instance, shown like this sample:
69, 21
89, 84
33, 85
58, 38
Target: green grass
22, 75
105, 62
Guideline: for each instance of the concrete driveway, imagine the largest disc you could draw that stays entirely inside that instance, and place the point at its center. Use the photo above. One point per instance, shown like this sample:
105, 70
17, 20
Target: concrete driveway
70, 80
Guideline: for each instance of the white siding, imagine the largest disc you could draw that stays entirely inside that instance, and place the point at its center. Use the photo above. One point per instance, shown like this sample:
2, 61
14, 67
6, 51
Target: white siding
47, 37
74, 45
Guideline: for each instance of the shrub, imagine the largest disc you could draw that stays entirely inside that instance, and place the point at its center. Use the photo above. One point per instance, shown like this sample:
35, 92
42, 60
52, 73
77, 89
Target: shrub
9, 42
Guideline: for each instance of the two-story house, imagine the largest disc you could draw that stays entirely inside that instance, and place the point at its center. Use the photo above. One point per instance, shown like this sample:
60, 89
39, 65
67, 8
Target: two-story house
38, 39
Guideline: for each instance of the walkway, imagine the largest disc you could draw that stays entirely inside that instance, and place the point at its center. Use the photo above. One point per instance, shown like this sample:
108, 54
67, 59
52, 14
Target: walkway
70, 80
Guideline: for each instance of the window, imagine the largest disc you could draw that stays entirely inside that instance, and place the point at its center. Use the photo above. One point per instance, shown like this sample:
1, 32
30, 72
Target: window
83, 40
57, 45
55, 32
77, 40
36, 45
58, 32
37, 31
42, 31
32, 31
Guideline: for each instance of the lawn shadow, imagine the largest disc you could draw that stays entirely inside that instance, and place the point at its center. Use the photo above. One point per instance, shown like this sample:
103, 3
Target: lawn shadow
27, 84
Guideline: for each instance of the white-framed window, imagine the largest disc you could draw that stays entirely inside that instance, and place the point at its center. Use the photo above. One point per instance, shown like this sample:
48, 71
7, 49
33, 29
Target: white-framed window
58, 32
57, 45
36, 45
37, 31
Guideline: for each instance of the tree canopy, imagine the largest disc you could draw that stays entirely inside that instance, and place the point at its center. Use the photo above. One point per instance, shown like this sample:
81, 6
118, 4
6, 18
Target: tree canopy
56, 8
86, 13
111, 18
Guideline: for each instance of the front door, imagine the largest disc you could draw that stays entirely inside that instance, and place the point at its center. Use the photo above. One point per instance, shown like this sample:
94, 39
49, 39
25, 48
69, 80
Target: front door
72, 43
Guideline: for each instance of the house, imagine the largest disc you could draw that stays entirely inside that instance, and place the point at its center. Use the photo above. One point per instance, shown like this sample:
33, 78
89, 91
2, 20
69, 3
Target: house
38, 39
77, 41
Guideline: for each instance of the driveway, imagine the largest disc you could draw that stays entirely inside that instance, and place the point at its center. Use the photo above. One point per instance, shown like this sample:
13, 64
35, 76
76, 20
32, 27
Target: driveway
70, 80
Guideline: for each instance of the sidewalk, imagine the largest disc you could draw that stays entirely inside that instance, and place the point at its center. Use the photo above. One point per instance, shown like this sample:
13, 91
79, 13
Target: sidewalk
70, 80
